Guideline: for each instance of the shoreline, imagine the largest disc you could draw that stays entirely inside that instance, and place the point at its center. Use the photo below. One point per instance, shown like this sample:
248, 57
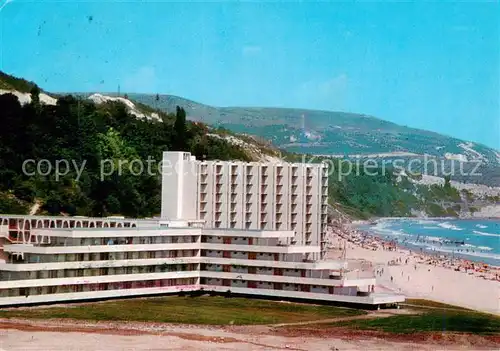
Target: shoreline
454, 254
416, 274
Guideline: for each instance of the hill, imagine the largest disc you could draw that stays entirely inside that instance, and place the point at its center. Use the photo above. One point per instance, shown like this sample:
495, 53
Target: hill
92, 130
340, 134
325, 132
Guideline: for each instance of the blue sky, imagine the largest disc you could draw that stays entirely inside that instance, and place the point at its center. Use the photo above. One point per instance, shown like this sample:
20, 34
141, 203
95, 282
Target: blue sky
431, 66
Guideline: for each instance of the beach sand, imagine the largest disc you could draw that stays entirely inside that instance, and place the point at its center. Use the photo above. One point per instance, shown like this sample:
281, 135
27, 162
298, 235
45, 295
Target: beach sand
427, 281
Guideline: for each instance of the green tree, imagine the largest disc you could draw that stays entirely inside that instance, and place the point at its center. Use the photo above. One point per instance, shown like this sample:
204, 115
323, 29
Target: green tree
447, 183
180, 130
35, 95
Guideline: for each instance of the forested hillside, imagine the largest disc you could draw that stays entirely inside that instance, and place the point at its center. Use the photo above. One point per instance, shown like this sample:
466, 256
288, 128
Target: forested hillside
85, 135
85, 138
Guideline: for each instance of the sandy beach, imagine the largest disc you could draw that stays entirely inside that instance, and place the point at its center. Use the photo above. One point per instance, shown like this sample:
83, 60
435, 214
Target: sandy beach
417, 275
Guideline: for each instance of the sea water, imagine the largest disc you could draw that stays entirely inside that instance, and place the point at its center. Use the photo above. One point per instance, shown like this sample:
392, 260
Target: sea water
475, 240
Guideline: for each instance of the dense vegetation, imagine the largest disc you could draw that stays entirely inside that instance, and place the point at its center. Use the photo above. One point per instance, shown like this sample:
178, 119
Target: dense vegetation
9, 82
362, 191
77, 134
96, 138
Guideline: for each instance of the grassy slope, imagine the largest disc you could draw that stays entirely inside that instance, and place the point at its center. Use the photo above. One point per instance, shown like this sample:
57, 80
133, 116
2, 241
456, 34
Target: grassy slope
428, 317
431, 316
8, 82
189, 310
431, 321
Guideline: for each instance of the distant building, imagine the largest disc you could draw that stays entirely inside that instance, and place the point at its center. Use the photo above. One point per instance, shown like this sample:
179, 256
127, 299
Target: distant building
244, 228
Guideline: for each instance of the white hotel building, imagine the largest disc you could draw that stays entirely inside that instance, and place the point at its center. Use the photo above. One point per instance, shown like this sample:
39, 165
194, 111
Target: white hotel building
243, 228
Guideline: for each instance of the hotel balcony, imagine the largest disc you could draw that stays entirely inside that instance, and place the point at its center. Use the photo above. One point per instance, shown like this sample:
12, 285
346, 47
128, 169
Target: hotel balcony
279, 199
218, 179
279, 189
203, 179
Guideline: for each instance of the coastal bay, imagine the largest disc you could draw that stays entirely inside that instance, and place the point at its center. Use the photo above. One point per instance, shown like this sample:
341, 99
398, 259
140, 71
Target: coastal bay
430, 270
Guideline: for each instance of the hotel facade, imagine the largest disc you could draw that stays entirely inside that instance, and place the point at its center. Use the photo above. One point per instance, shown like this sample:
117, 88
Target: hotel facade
244, 228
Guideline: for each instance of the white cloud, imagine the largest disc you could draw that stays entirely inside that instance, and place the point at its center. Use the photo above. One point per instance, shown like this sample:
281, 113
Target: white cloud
251, 50
141, 81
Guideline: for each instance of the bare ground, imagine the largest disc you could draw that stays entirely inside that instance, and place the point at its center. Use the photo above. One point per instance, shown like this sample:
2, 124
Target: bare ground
18, 334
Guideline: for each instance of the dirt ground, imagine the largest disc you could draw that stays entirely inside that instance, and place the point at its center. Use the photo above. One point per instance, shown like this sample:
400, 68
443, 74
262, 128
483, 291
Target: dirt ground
109, 336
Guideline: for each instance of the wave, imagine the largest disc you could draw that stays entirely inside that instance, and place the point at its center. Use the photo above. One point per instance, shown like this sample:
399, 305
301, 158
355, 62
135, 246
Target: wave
448, 225
486, 248
425, 221
481, 226
470, 253
384, 228
485, 234
431, 238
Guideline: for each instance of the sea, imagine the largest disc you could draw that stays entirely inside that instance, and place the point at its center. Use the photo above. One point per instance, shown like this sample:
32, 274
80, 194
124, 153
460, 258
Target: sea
474, 240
